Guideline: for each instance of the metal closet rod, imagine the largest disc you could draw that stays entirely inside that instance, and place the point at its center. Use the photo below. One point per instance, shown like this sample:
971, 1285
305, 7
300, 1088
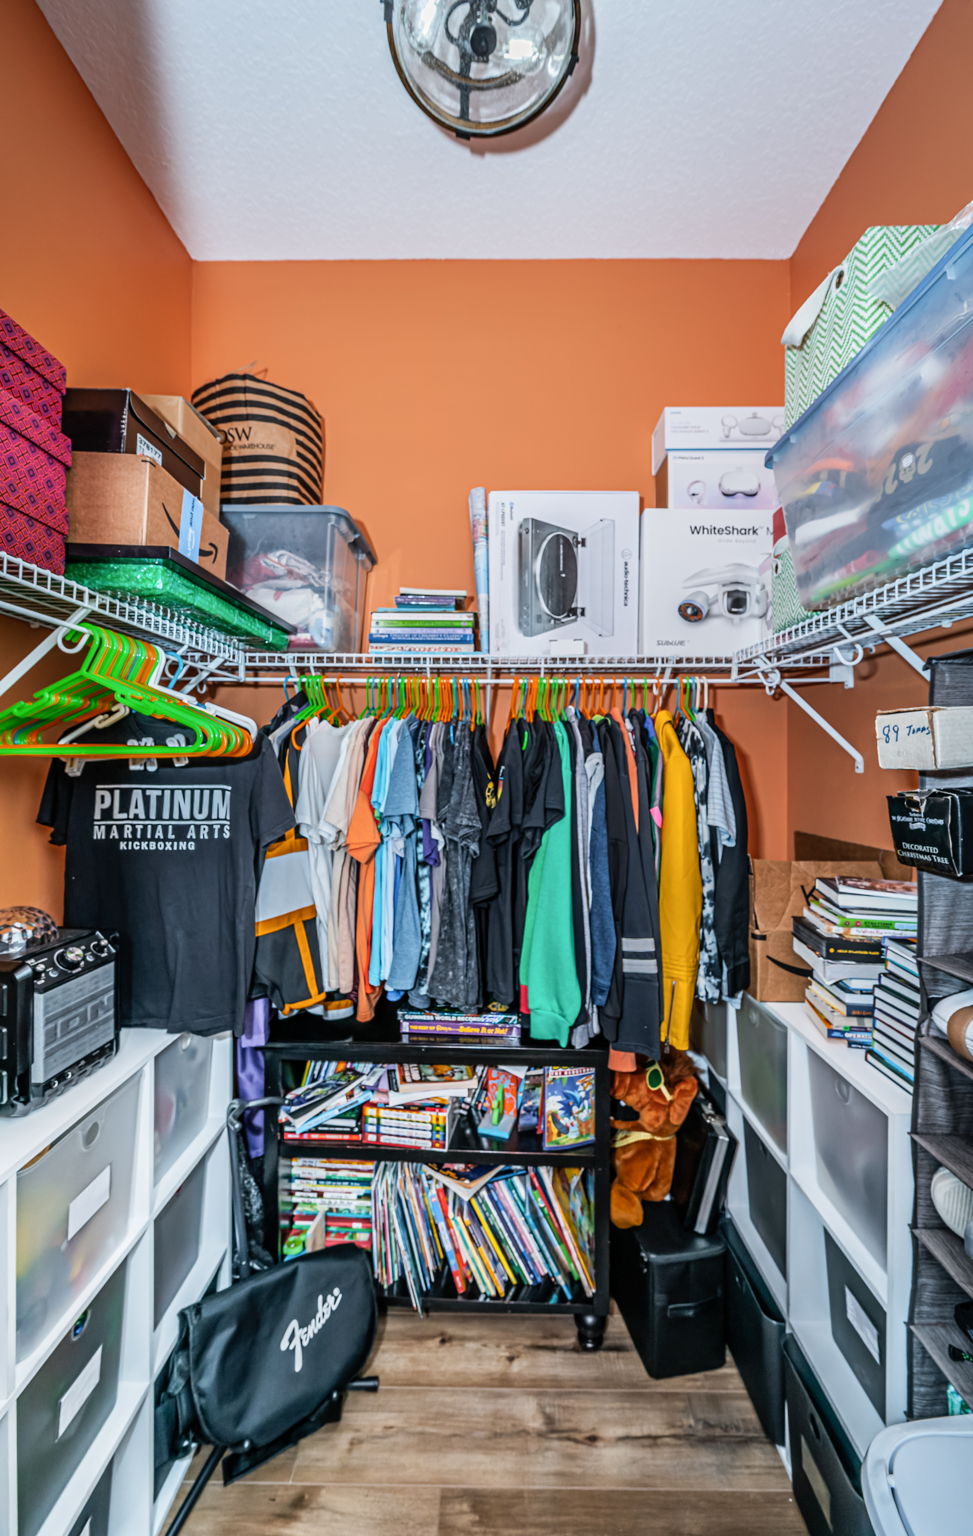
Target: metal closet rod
358, 679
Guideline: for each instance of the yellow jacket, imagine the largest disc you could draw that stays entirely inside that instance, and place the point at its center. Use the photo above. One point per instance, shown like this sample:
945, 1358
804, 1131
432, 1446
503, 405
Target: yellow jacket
680, 886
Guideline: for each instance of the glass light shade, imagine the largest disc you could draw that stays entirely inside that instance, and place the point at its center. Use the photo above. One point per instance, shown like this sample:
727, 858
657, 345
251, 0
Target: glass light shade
483, 67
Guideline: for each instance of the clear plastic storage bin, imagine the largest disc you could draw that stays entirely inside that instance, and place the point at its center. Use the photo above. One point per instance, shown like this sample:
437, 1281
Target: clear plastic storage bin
306, 565
766, 1196
709, 1035
763, 1067
178, 1238
93, 1519
851, 1153
74, 1207
182, 1085
877, 476
63, 1407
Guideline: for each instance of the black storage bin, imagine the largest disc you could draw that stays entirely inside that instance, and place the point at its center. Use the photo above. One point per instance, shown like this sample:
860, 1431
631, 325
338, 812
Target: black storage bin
767, 1196
754, 1333
857, 1323
668, 1284
825, 1472
94, 1518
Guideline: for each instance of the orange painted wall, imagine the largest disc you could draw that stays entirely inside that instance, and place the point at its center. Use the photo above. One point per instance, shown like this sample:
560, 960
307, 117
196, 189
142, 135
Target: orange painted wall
435, 376
913, 166
90, 266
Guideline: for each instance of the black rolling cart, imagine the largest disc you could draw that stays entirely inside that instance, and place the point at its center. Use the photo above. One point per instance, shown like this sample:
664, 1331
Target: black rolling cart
291, 1043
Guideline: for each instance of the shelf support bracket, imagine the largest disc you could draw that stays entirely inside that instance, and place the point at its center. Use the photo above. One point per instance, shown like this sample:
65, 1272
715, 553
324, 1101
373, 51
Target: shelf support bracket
774, 683
41, 650
898, 645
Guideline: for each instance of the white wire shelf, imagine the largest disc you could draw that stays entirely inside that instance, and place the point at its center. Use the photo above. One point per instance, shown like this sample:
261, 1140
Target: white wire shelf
932, 597
274, 664
43, 598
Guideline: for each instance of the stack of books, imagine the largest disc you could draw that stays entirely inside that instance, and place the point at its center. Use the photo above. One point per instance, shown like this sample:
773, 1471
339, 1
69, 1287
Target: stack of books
499, 1235
460, 1028
324, 1203
328, 1104
898, 1008
413, 1105
423, 620
841, 935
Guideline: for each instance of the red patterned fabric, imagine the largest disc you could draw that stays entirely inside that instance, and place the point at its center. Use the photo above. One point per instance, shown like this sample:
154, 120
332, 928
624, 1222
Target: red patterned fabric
29, 539
43, 362
19, 379
34, 457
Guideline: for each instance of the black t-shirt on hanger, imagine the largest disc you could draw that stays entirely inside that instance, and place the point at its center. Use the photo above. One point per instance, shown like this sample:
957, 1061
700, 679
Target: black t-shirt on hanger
168, 856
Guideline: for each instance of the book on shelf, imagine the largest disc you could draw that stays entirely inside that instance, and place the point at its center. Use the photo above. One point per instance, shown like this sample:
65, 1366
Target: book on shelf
858, 893
413, 1081
832, 922
499, 1101
836, 946
896, 1073
455, 594
834, 1027
831, 971
887, 1002
892, 1045
568, 1107
850, 1004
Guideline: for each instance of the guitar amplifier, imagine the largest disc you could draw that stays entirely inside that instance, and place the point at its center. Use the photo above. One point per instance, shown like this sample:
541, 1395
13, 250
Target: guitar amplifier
58, 1016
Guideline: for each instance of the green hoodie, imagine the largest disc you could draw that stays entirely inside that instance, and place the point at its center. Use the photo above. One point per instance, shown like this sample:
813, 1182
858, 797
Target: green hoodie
548, 969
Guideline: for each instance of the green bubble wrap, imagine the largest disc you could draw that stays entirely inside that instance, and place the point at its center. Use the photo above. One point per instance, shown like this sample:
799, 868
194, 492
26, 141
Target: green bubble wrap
158, 582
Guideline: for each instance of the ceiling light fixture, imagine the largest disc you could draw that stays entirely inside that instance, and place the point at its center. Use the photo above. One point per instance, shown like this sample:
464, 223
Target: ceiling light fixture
483, 68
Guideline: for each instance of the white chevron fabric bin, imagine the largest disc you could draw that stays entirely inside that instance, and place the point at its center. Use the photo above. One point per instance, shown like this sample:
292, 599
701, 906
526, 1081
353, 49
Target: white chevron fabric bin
835, 323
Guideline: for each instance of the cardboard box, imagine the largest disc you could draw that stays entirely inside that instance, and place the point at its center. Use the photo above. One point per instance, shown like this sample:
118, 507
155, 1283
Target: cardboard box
777, 893
563, 573
704, 581
695, 427
737, 481
925, 738
121, 499
119, 421
202, 437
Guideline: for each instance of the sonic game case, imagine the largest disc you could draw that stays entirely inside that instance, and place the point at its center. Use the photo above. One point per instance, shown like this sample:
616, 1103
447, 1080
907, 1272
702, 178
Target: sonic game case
569, 1107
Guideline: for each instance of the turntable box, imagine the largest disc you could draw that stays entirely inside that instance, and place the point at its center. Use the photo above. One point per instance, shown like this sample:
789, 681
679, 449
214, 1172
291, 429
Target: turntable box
705, 581
563, 573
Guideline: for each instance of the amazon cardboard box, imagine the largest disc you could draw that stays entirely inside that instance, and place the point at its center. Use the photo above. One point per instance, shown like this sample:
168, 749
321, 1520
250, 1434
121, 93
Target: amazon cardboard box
202, 437
118, 498
779, 889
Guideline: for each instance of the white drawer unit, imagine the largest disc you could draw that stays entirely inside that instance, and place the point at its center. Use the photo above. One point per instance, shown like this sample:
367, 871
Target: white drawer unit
183, 1073
74, 1211
846, 1167
96, 1258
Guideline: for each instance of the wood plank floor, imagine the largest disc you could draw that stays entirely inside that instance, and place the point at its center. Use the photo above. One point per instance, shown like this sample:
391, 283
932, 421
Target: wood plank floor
491, 1426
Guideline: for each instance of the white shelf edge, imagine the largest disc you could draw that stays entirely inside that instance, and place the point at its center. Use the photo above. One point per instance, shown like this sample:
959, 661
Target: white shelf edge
849, 1063
847, 1239
85, 1477
761, 1131
25, 1370
207, 1265
174, 1177
169, 1492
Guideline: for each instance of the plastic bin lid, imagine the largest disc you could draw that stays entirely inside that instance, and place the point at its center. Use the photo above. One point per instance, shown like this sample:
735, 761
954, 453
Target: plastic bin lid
959, 248
343, 521
916, 1477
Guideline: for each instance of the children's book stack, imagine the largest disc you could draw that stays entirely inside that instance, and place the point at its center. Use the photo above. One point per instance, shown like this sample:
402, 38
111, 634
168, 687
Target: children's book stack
430, 618
510, 1233
841, 935
325, 1202
898, 1009
412, 1105
328, 1104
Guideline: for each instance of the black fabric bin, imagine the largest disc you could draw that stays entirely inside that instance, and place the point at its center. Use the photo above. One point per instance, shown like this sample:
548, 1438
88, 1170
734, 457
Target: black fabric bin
767, 1196
825, 1472
668, 1284
754, 1333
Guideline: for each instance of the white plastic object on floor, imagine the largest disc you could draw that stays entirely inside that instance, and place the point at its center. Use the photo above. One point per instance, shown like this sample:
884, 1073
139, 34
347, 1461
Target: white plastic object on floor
916, 1477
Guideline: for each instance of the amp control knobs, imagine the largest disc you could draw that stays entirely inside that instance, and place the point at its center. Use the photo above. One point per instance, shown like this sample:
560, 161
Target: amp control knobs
71, 958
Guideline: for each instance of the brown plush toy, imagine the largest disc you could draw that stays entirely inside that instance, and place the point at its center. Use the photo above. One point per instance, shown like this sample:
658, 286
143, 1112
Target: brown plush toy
645, 1149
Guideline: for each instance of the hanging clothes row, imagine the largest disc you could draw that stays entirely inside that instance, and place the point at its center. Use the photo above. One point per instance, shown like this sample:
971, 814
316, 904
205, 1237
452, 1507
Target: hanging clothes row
593, 877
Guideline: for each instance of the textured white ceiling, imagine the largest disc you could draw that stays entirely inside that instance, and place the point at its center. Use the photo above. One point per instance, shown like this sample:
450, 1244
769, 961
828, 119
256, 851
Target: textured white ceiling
278, 128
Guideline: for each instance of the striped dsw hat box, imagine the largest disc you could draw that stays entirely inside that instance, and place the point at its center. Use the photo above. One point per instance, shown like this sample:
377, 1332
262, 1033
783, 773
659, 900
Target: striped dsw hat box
273, 440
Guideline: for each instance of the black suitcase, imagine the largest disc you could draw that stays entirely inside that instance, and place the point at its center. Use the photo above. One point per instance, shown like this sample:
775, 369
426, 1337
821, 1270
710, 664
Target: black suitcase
668, 1285
754, 1332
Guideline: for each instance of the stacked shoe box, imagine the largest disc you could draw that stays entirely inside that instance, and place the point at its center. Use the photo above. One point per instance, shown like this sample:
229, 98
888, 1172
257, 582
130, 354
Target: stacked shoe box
707, 544
34, 453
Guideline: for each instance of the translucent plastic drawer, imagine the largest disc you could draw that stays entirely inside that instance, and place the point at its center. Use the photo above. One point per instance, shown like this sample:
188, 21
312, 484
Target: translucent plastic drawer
93, 1519
763, 1067
709, 1035
74, 1206
766, 1196
178, 1239
182, 1082
61, 1410
851, 1153
857, 1324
